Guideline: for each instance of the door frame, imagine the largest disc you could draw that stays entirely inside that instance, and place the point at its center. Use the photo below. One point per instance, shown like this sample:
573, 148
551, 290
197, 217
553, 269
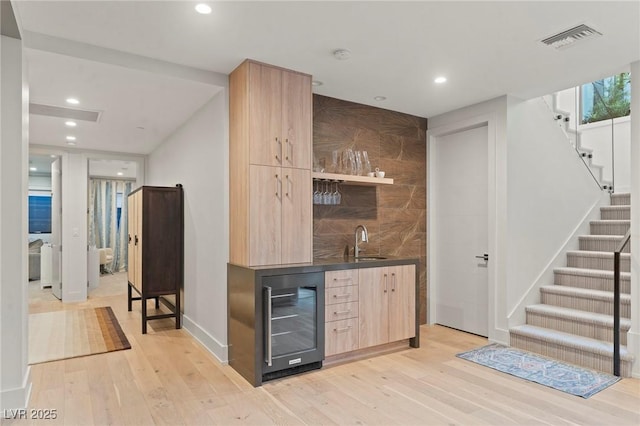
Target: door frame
489, 121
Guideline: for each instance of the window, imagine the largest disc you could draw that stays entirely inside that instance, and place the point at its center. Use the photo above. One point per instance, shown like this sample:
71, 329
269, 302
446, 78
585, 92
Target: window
39, 214
606, 99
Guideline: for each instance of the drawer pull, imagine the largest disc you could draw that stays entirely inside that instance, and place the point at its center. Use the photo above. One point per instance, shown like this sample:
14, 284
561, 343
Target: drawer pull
342, 312
335, 296
337, 330
342, 279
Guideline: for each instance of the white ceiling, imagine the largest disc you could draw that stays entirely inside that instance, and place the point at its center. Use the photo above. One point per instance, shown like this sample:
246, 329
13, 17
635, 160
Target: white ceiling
486, 49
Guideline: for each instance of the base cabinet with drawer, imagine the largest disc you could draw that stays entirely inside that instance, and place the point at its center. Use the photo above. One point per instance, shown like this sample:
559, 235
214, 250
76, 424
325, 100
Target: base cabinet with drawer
341, 312
387, 304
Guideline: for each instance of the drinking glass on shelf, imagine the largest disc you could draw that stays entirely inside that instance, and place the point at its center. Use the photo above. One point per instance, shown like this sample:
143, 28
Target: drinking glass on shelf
366, 165
327, 196
358, 156
337, 197
317, 195
334, 163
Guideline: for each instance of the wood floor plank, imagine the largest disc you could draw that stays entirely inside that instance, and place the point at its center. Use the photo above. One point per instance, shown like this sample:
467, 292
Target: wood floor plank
167, 377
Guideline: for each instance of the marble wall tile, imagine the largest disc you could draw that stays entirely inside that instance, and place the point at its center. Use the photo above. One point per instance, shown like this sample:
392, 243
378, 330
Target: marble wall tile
395, 215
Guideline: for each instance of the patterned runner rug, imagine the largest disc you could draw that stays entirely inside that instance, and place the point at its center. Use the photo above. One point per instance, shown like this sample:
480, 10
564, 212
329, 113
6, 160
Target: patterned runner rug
68, 334
545, 371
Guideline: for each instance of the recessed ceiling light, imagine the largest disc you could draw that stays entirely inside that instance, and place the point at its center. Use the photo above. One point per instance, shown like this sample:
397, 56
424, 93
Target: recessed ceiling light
70, 123
71, 143
119, 173
73, 101
342, 54
380, 98
440, 80
53, 156
71, 138
316, 83
204, 9
33, 169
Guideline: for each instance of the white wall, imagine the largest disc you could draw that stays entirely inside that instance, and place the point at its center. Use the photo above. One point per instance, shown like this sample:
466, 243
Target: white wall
40, 183
15, 381
196, 156
494, 113
74, 227
550, 194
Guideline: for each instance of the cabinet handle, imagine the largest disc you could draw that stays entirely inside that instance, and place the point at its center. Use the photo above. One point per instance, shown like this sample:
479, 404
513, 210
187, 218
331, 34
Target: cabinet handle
393, 282
336, 296
288, 185
385, 283
289, 149
129, 237
342, 312
279, 142
342, 279
337, 330
277, 187
136, 240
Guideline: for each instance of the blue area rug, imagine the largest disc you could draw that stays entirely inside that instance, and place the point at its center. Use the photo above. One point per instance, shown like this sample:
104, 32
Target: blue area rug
536, 368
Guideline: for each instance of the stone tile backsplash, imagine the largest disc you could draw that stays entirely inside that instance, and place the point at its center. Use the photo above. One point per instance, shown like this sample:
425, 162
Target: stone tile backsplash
395, 215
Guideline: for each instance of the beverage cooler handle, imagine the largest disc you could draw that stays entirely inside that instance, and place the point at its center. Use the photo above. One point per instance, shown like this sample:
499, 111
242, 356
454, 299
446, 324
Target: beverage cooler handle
268, 355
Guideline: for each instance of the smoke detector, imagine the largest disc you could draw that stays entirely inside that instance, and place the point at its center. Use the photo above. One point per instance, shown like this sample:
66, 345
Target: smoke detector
342, 54
570, 37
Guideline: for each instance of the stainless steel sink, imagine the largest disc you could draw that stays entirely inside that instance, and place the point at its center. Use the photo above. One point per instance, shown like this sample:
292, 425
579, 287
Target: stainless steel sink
359, 258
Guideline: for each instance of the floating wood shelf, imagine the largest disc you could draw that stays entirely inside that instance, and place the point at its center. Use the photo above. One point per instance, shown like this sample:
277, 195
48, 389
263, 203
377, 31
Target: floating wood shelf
352, 179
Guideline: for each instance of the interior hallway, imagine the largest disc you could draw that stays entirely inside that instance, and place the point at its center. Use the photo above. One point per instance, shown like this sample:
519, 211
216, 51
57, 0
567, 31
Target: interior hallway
169, 378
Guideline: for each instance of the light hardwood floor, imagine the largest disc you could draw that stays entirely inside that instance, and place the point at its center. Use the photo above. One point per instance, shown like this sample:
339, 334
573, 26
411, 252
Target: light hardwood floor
168, 378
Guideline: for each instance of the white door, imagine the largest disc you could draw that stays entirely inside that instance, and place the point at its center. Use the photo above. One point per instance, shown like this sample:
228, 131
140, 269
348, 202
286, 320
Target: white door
459, 225
56, 228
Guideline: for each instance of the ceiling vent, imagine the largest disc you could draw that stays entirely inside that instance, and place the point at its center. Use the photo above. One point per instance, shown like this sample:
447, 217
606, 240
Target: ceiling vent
570, 37
61, 112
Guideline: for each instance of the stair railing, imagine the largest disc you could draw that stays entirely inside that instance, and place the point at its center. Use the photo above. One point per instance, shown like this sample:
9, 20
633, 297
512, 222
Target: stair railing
616, 302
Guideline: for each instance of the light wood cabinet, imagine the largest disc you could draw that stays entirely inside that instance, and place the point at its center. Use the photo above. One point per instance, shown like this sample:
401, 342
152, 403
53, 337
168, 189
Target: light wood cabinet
386, 304
270, 166
341, 312
155, 249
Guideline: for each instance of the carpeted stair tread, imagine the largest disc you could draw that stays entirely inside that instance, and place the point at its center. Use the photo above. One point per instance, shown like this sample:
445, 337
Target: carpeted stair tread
597, 254
615, 212
620, 199
609, 227
601, 242
561, 338
611, 222
581, 316
597, 273
585, 293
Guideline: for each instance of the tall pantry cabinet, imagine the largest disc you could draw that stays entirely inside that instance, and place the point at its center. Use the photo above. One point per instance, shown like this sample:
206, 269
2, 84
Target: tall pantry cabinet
156, 249
270, 112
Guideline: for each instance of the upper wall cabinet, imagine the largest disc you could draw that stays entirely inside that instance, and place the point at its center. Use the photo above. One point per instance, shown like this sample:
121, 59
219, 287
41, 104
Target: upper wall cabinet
270, 195
279, 116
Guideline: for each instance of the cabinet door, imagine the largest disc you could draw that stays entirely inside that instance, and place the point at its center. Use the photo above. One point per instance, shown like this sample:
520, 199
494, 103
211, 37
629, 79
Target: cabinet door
297, 103
265, 195
297, 216
131, 231
138, 248
373, 306
265, 115
402, 302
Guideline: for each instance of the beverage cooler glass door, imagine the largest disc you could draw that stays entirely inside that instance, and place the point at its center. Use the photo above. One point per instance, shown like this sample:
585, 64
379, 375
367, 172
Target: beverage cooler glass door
294, 320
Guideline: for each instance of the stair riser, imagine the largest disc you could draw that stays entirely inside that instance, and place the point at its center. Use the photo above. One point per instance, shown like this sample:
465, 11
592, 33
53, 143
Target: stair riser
609, 228
592, 283
602, 245
594, 331
601, 263
588, 305
620, 199
568, 354
615, 214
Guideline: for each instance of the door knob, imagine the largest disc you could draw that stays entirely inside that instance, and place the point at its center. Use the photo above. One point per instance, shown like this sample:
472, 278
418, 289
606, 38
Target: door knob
484, 257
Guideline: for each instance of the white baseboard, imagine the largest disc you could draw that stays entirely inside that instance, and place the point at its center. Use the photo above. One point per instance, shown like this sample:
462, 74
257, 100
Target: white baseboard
219, 350
17, 398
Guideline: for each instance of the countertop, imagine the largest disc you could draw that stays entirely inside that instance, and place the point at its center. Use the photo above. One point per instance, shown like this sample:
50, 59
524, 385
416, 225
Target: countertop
333, 264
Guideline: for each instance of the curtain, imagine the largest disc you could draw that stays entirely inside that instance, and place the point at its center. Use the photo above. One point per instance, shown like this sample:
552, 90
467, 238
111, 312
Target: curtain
108, 218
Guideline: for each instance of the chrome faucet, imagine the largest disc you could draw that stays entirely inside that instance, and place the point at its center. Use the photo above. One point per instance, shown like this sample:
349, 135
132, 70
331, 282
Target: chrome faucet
365, 239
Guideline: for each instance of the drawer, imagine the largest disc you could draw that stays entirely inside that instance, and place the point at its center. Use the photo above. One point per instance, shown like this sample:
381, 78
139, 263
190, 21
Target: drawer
340, 336
340, 311
340, 278
340, 294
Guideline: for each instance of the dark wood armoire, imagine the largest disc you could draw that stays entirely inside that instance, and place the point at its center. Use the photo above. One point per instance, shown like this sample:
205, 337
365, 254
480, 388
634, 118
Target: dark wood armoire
155, 256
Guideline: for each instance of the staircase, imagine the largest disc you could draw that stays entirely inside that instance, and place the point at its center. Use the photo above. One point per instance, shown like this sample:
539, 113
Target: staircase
574, 321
